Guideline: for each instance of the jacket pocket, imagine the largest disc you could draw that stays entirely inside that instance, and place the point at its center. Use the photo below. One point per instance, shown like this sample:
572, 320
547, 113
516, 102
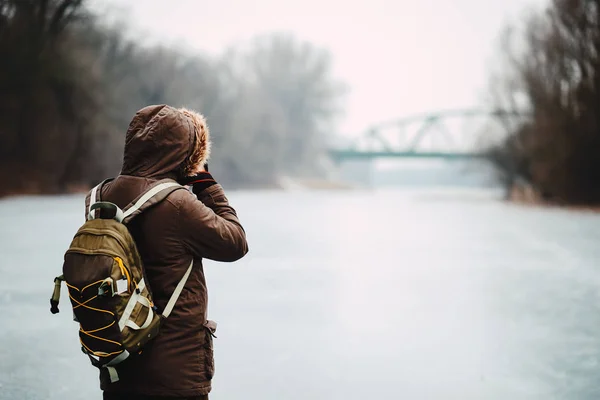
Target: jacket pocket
210, 327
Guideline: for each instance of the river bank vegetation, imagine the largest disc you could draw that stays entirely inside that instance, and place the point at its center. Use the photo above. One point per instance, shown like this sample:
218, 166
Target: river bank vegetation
70, 83
551, 73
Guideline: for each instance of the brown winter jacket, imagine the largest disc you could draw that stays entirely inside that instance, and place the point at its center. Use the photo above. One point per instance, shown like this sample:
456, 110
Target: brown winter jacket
179, 362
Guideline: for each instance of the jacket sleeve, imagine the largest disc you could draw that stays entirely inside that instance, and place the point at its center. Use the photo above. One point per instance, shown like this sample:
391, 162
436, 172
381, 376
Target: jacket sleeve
210, 227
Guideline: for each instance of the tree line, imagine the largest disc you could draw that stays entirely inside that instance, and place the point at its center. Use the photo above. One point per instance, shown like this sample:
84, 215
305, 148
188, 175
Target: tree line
70, 83
552, 75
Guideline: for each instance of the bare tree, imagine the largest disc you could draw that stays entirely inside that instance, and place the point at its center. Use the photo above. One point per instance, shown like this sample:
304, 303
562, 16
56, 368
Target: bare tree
40, 95
559, 72
69, 86
297, 77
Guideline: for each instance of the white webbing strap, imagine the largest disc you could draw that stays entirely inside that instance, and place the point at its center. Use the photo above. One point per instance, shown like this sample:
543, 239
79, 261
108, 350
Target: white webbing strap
112, 371
147, 196
143, 301
92, 199
118, 359
137, 297
133, 300
177, 292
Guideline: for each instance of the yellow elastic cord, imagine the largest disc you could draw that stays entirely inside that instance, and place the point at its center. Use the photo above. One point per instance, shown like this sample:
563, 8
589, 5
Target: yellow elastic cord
92, 284
88, 307
100, 353
124, 271
72, 287
104, 340
84, 303
99, 329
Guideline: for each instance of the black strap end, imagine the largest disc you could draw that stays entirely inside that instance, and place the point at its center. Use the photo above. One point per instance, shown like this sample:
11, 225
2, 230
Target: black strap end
54, 307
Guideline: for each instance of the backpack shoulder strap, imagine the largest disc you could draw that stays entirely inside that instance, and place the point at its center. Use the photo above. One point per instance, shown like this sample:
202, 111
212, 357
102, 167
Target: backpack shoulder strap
94, 196
154, 195
175, 296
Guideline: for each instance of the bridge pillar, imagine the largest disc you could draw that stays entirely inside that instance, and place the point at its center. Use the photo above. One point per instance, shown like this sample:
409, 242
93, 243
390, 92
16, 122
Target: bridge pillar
356, 172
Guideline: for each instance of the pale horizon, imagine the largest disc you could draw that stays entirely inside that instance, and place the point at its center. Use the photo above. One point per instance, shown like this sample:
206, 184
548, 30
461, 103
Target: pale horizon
397, 58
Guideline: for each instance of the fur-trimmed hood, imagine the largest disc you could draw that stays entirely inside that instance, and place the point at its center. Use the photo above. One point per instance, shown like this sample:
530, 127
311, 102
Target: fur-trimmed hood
160, 141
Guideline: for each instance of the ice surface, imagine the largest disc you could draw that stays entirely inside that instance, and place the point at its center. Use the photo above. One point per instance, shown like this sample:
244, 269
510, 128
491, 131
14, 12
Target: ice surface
346, 295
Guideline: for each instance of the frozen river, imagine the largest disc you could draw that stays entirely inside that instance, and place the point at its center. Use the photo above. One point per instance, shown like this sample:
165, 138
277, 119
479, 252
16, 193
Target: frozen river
347, 295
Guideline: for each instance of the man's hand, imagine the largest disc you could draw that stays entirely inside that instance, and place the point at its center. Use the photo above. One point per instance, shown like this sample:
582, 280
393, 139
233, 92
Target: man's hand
200, 181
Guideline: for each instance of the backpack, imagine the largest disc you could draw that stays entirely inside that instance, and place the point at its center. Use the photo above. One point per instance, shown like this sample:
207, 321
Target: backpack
106, 281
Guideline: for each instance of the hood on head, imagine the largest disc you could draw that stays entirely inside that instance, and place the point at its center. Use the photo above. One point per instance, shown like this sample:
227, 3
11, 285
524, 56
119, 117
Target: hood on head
159, 140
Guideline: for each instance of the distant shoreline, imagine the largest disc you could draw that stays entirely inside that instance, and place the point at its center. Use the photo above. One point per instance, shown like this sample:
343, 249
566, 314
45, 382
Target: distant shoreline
526, 195
519, 194
284, 184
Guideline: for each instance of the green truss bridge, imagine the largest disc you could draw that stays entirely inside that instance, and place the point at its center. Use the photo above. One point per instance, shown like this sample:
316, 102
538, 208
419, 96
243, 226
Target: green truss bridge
453, 134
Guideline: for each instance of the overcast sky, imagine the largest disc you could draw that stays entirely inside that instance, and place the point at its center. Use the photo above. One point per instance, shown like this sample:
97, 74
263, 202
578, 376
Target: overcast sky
397, 57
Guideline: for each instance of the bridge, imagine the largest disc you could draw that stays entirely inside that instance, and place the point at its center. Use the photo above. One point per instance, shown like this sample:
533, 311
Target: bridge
439, 135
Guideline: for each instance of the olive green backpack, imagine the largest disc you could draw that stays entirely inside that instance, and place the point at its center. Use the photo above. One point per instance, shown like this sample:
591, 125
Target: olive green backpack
105, 277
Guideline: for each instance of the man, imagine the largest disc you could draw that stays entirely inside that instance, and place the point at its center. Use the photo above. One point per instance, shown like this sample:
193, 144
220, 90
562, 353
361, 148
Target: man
164, 142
